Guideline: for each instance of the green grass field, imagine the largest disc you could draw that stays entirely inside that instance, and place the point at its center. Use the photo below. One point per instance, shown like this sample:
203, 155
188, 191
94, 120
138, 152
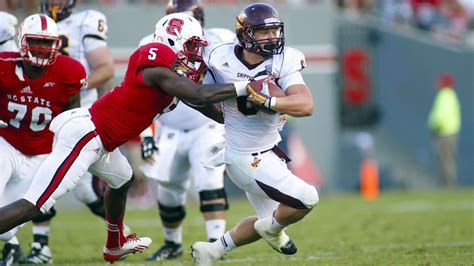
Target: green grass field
399, 228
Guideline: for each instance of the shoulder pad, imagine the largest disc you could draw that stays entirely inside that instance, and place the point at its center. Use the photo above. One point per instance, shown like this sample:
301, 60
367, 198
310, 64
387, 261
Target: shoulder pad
71, 72
217, 50
155, 54
95, 24
7, 26
288, 62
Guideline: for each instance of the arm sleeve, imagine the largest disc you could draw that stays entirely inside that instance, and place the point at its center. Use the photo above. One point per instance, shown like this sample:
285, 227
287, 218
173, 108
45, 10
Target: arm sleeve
75, 78
291, 79
94, 30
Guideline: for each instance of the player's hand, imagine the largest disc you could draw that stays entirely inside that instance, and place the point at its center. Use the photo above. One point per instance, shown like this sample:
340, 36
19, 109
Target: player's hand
148, 147
3, 124
261, 98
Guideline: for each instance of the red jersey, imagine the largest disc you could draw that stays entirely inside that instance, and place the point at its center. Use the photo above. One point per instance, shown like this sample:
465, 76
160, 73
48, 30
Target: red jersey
128, 109
28, 106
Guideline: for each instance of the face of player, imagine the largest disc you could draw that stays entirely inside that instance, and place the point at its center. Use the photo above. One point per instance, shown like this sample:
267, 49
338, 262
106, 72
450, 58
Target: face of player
40, 48
266, 35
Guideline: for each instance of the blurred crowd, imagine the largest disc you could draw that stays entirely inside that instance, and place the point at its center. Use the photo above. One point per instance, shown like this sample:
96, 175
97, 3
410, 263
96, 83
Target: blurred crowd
451, 19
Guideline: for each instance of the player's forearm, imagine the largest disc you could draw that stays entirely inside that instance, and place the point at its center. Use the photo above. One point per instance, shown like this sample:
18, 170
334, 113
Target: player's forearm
100, 76
213, 93
295, 105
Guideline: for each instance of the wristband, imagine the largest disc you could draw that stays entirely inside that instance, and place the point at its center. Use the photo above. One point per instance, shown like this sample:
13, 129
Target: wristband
241, 88
270, 103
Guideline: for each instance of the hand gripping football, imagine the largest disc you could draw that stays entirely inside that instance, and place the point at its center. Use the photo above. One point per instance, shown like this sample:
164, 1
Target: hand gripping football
267, 87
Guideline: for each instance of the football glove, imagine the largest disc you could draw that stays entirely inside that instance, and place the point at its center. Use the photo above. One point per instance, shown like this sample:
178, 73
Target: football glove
260, 98
148, 147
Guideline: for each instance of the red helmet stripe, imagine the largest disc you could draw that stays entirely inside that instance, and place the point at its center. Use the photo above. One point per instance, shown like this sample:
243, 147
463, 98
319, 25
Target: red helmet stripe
44, 24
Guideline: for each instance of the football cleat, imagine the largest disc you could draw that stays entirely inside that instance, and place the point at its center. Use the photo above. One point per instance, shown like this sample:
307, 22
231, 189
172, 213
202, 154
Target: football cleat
11, 254
204, 254
169, 250
38, 255
279, 241
133, 245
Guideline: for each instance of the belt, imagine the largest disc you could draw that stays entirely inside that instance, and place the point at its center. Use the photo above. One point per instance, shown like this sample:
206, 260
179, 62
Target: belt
260, 152
279, 152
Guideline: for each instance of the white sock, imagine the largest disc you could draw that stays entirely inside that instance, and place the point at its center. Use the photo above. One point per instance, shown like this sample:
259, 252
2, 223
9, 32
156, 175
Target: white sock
225, 243
276, 227
41, 230
215, 228
14, 241
174, 234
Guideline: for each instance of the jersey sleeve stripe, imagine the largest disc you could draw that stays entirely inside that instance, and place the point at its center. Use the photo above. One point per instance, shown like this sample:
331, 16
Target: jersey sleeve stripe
94, 36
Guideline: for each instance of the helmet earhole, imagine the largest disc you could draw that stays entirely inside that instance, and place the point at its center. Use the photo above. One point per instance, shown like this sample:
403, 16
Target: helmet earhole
171, 42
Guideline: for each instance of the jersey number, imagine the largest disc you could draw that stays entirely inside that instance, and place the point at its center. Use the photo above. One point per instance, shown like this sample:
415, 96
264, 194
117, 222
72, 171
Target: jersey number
245, 107
36, 123
152, 53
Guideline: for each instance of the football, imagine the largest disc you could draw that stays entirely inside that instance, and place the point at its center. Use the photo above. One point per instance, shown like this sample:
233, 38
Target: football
270, 89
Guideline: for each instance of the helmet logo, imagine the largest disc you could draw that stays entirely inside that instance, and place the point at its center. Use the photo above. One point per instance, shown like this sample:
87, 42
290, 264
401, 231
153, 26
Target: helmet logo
174, 26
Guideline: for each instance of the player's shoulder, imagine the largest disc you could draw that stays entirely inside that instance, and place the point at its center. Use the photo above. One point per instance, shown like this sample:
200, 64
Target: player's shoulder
289, 61
69, 67
91, 22
153, 54
89, 15
10, 55
217, 51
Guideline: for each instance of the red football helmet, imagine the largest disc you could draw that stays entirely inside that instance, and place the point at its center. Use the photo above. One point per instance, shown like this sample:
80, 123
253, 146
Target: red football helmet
39, 40
259, 16
190, 7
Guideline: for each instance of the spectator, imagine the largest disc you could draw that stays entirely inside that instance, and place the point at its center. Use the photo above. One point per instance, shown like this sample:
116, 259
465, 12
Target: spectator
444, 123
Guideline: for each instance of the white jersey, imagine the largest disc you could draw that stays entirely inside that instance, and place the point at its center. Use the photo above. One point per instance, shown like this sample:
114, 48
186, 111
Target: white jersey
80, 33
184, 117
8, 24
248, 130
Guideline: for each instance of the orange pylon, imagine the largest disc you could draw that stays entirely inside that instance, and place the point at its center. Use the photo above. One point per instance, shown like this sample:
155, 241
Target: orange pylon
369, 179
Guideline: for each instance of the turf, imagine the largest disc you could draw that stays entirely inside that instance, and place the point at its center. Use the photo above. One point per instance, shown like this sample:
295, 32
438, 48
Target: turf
433, 227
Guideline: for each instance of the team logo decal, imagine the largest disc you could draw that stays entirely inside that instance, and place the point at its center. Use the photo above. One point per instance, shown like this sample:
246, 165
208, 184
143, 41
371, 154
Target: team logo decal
174, 26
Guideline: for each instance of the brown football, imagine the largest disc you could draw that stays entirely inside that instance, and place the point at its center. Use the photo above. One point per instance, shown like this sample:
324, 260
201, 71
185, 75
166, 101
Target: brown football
273, 89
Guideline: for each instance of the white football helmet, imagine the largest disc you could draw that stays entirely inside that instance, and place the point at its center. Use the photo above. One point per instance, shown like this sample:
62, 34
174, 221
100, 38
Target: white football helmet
39, 40
184, 34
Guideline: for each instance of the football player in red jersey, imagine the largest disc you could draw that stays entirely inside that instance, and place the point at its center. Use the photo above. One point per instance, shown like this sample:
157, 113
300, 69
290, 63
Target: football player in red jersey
88, 139
36, 85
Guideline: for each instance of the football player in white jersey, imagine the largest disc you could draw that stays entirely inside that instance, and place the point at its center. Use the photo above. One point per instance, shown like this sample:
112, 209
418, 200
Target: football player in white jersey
8, 23
83, 37
186, 140
252, 158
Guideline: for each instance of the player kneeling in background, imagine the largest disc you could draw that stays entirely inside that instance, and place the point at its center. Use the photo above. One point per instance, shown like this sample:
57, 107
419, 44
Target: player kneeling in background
253, 161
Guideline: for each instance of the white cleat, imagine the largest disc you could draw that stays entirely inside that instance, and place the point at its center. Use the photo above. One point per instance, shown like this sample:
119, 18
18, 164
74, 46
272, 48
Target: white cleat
280, 241
134, 244
204, 253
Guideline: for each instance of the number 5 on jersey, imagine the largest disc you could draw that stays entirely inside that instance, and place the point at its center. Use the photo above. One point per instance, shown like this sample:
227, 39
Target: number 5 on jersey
152, 53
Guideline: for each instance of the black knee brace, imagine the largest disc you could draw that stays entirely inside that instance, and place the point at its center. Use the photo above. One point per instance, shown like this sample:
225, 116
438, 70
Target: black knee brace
97, 207
213, 195
171, 214
45, 216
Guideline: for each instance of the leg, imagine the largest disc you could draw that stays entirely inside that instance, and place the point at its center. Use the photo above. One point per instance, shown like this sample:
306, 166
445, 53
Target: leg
16, 213
114, 168
207, 173
171, 199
